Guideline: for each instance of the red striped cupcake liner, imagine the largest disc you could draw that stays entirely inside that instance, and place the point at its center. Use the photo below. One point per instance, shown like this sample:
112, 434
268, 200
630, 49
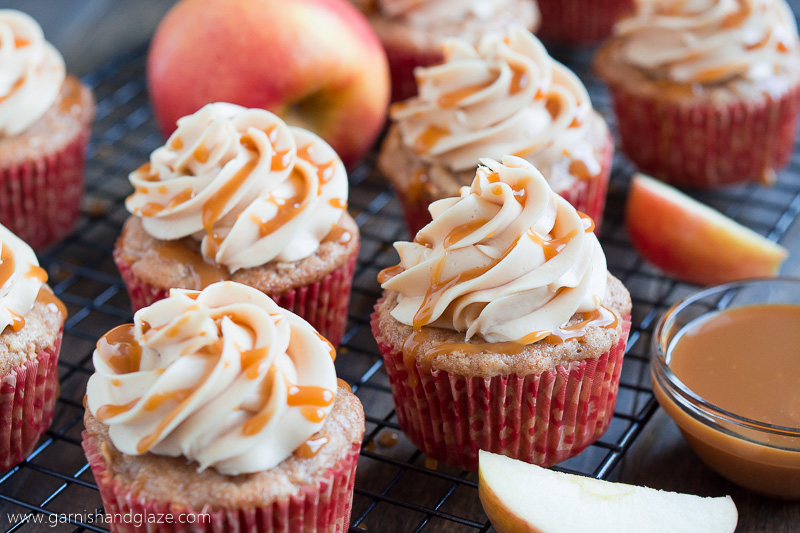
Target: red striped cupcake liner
322, 507
586, 195
27, 398
402, 62
704, 145
40, 200
541, 419
323, 304
578, 22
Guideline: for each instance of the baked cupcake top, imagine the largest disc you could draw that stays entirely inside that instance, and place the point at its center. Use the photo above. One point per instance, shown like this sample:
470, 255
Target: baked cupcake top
710, 41
22, 283
31, 72
505, 96
223, 377
249, 187
509, 262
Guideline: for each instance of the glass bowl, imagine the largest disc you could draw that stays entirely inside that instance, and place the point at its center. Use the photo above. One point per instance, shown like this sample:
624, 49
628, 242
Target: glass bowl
759, 456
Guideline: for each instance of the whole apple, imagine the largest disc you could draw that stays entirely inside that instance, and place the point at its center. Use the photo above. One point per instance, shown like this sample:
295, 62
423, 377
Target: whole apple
316, 63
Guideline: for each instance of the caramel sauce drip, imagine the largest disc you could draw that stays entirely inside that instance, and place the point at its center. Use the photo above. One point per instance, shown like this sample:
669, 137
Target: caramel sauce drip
762, 43
120, 349
201, 272
453, 98
590, 226
343, 384
14, 88
388, 273
20, 42
213, 209
280, 160
313, 414
157, 400
175, 329
553, 106
718, 73
49, 299
104, 412
70, 96
576, 123
17, 322
288, 208
464, 230
519, 80
338, 234
148, 441
146, 173
417, 185
151, 209
37, 272
251, 360
309, 395
310, 448
8, 267
176, 143
739, 17
428, 139
326, 342
338, 203
325, 171
579, 169
257, 423
553, 246
201, 153
389, 439
183, 196
782, 48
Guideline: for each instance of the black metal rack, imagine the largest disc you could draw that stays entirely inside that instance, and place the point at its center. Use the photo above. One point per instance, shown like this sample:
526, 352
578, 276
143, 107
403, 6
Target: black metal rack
396, 488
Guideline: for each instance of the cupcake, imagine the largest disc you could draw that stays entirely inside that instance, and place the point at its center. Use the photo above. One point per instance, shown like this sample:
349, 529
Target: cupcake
218, 408
236, 194
707, 92
501, 329
579, 22
507, 96
411, 31
32, 320
45, 118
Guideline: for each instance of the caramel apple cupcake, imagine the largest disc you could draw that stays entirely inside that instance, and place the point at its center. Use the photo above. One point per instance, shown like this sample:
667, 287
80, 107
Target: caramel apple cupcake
707, 92
236, 194
31, 321
45, 122
501, 329
223, 410
412, 31
507, 96
579, 22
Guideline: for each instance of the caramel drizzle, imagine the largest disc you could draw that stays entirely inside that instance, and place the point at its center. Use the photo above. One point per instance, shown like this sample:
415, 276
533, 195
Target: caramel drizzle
52, 301
14, 88
325, 171
464, 230
120, 350
37, 273
213, 209
288, 208
428, 138
453, 98
310, 448
258, 422
7, 267
201, 272
519, 79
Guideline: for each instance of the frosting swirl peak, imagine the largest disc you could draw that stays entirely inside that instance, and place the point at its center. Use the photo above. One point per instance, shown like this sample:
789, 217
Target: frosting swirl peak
509, 260
251, 188
31, 72
710, 41
505, 96
223, 377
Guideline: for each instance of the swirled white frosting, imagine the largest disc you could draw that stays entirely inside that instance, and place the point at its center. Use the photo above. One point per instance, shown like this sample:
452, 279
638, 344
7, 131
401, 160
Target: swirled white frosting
214, 380
507, 96
250, 187
708, 41
21, 279
31, 72
507, 260
432, 12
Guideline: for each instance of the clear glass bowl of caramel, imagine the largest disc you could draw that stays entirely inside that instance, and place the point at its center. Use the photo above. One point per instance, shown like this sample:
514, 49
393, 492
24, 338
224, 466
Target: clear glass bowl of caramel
726, 369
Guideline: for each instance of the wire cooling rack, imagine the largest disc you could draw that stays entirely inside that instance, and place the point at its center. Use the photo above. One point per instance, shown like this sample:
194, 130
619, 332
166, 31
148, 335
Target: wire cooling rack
397, 489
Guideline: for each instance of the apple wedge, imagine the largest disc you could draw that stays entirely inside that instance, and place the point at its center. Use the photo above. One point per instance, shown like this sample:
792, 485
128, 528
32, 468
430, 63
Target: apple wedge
691, 241
520, 497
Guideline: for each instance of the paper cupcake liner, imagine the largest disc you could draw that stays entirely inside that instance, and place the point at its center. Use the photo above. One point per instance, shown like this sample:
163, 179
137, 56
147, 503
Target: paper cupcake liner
402, 62
540, 419
322, 507
40, 200
27, 397
707, 146
587, 196
579, 22
323, 304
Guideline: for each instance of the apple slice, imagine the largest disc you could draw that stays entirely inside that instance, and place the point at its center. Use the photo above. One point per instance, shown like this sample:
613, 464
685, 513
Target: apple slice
692, 242
520, 497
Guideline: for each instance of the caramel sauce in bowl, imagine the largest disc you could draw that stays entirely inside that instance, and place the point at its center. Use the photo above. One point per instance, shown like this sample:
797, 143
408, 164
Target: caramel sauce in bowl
726, 369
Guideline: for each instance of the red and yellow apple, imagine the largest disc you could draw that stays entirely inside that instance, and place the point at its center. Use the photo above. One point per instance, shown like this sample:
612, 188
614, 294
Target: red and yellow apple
523, 498
316, 63
691, 241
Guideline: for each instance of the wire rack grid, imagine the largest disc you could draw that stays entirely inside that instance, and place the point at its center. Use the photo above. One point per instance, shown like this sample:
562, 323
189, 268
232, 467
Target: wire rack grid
397, 489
